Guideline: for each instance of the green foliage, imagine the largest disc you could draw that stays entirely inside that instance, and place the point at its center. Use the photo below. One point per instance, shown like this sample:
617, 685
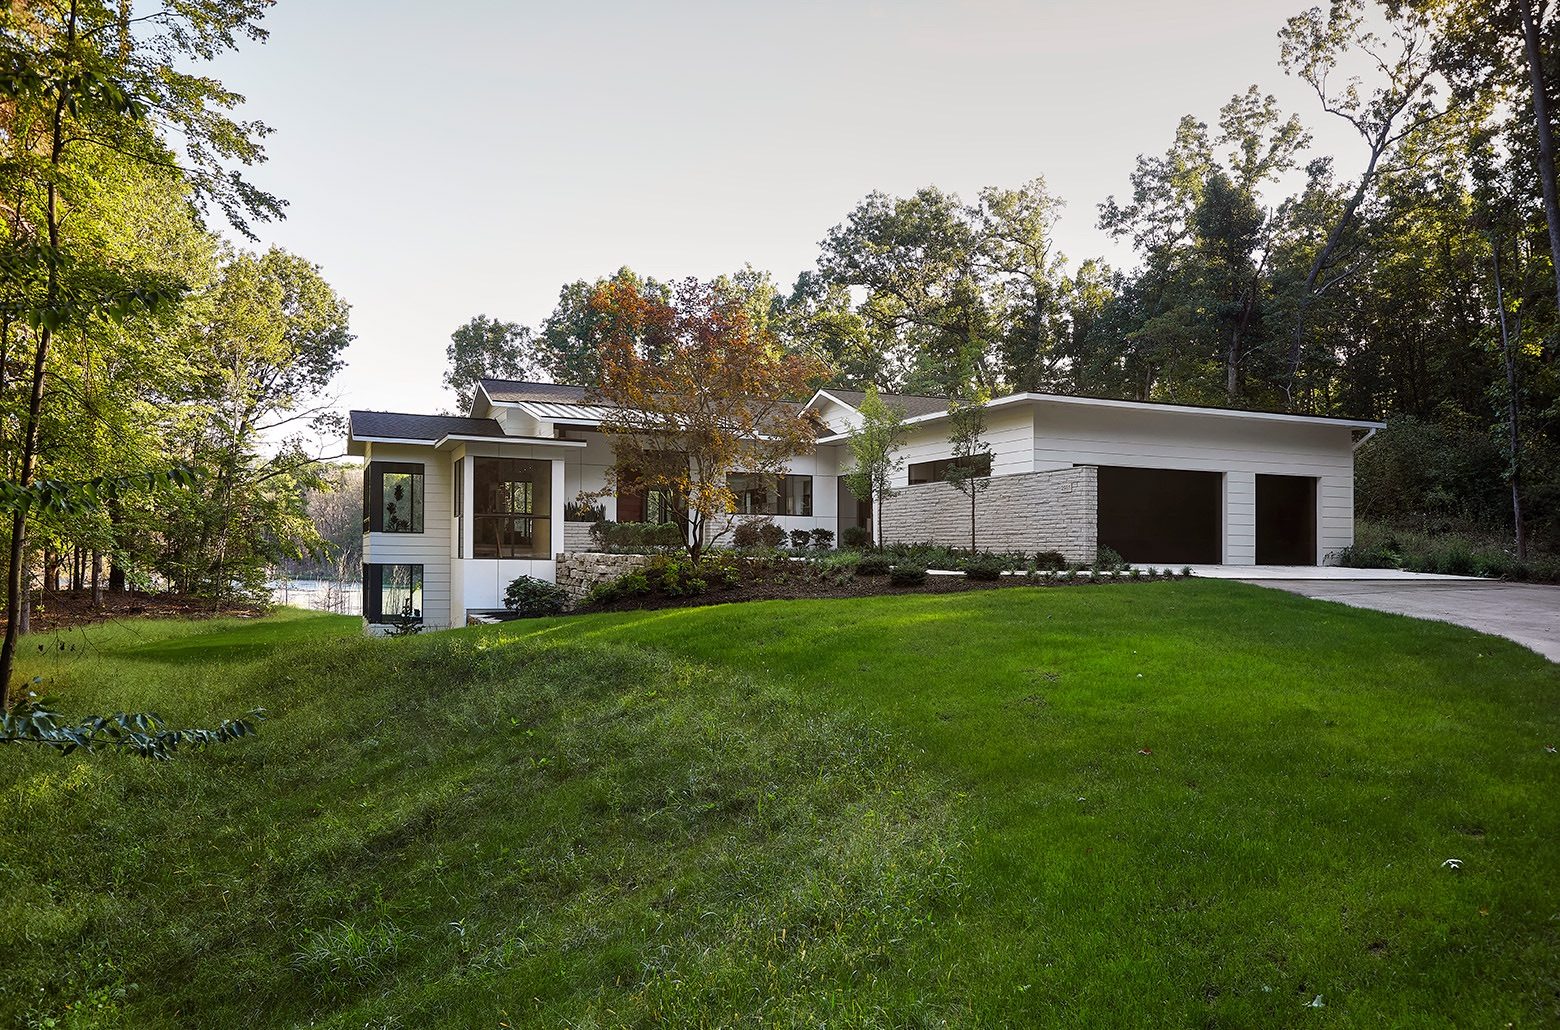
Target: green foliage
486, 348
1467, 553
532, 598
823, 539
1051, 560
907, 574
584, 509
751, 534
873, 564
33, 720
1108, 559
635, 537
800, 538
856, 536
987, 567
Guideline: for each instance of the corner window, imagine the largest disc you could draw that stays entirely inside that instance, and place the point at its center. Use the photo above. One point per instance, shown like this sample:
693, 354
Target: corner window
392, 591
393, 497
937, 471
511, 508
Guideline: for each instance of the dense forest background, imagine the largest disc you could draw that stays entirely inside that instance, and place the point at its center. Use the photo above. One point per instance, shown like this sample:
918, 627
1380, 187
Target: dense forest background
1412, 278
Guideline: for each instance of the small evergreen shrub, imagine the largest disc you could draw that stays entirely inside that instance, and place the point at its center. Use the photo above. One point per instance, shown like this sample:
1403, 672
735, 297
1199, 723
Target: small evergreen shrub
800, 538
986, 567
1051, 561
532, 598
823, 539
856, 536
907, 574
1108, 558
873, 565
583, 509
770, 535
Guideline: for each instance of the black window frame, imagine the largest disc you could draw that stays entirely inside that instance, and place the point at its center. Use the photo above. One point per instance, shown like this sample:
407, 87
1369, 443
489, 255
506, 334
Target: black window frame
373, 589
374, 495
508, 527
936, 470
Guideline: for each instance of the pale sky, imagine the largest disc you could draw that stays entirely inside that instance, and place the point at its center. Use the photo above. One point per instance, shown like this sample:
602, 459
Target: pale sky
455, 158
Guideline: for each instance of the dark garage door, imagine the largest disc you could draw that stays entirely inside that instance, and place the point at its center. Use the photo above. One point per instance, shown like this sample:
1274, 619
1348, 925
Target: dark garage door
1286, 520
1162, 515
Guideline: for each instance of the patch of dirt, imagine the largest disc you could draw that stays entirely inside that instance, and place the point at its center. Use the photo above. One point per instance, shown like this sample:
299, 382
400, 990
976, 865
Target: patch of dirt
71, 608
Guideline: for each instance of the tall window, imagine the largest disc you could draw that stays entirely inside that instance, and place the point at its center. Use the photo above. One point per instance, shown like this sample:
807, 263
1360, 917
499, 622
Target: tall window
392, 591
511, 508
393, 497
761, 494
460, 506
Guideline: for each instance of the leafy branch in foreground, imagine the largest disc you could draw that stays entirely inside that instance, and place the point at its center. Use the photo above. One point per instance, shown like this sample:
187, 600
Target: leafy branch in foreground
143, 734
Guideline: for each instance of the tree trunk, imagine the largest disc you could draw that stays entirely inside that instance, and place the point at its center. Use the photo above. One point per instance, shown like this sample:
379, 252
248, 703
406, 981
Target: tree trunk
1546, 142
97, 578
1512, 405
972, 516
15, 596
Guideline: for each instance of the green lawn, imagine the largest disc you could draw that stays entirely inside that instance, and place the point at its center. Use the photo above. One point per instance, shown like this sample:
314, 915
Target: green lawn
1133, 805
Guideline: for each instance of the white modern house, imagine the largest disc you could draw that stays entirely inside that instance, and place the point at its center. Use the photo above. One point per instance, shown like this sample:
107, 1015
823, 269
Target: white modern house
455, 507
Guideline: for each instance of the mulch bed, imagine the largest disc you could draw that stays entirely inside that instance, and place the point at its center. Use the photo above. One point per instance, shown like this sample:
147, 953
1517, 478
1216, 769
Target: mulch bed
70, 609
804, 587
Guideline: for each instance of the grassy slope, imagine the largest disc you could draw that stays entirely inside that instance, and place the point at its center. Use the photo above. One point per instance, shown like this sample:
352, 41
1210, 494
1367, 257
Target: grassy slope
886, 811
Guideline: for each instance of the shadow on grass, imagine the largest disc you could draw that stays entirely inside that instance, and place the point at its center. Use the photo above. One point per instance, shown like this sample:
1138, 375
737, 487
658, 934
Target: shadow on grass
227, 643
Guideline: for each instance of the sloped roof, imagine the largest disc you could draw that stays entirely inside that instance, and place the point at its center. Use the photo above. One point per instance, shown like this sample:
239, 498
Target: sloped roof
512, 391
911, 404
396, 425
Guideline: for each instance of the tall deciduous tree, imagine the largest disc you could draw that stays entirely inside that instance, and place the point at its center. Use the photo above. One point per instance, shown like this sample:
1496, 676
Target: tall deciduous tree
698, 392
75, 80
486, 348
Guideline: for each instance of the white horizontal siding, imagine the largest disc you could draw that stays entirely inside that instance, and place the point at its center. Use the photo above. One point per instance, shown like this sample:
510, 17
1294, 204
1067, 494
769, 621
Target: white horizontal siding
431, 547
1009, 434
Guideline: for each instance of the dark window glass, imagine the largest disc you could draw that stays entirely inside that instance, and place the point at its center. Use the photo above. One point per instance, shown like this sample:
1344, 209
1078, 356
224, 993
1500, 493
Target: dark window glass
761, 494
391, 591
511, 508
936, 471
393, 497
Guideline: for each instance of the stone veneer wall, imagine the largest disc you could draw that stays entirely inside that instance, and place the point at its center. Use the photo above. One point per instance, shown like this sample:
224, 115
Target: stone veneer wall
576, 537
1029, 511
579, 571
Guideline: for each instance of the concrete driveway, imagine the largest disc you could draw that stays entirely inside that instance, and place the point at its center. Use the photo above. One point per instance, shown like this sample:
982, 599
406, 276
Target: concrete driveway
1523, 612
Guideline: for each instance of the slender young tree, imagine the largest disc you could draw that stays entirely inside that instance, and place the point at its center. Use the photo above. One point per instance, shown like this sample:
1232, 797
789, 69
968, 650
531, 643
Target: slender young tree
874, 447
970, 471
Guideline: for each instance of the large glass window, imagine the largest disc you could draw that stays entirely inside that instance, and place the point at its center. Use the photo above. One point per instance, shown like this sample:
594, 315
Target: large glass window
762, 494
511, 508
392, 591
393, 497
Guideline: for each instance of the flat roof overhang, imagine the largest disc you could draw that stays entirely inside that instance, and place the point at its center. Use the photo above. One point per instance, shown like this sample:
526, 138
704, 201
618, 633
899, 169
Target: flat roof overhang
448, 441
1148, 406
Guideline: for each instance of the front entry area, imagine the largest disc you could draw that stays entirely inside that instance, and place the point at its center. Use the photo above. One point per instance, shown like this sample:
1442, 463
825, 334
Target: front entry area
1286, 520
1162, 516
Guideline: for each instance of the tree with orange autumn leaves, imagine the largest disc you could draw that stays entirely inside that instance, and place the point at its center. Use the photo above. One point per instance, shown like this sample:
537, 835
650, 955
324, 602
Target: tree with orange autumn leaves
698, 391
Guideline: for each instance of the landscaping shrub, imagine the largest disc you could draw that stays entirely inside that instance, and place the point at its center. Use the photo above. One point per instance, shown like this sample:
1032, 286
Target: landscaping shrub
823, 539
1051, 561
873, 565
907, 574
986, 567
800, 538
756, 533
533, 598
1108, 559
636, 536
856, 536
